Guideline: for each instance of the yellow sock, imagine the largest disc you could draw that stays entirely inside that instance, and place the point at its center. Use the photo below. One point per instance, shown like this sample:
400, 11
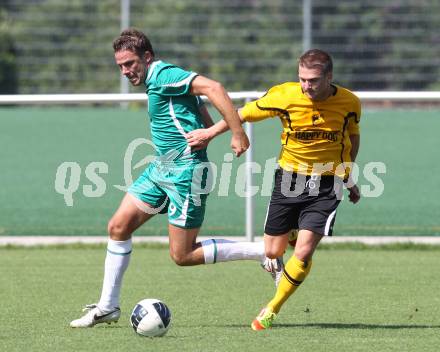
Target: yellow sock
295, 272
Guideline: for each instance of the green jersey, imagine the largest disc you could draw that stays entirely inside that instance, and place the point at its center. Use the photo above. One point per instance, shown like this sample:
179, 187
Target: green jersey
173, 111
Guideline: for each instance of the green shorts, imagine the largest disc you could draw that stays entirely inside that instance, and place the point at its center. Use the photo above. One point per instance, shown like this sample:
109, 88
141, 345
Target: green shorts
180, 191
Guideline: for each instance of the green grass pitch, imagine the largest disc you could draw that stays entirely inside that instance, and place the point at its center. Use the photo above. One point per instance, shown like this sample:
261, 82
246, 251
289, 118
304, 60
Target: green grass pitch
354, 300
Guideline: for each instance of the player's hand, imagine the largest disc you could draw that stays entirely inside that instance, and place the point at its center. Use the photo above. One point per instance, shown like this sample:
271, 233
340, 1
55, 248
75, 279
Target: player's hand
198, 139
239, 143
354, 195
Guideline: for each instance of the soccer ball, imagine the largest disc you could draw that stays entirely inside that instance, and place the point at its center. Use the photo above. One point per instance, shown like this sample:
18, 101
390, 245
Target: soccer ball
150, 317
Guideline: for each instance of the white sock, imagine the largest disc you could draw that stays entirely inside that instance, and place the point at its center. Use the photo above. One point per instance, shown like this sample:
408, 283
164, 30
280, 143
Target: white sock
223, 251
116, 262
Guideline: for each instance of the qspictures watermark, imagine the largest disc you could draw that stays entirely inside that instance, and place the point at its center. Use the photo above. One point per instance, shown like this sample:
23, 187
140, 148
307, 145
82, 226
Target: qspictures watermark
69, 176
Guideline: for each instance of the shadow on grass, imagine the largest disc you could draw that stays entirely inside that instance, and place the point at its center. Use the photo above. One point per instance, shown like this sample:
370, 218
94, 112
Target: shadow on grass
356, 326
359, 326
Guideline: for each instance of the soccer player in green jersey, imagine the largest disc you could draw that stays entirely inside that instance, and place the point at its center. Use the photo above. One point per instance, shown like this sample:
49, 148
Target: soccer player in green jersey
173, 182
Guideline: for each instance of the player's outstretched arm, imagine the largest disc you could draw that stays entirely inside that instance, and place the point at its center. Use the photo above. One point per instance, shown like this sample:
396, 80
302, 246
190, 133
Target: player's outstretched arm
199, 139
354, 194
355, 140
206, 117
218, 96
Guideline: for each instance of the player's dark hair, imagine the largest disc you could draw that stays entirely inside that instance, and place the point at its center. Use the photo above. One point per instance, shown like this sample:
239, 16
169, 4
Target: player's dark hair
317, 59
133, 40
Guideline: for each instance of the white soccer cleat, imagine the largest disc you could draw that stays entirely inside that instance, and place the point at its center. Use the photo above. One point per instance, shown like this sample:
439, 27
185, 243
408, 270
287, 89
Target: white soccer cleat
275, 267
95, 316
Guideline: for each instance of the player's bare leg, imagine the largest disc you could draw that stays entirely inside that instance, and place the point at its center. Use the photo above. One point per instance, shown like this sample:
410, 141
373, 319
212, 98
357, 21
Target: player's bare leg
183, 247
295, 272
130, 215
306, 244
275, 246
185, 250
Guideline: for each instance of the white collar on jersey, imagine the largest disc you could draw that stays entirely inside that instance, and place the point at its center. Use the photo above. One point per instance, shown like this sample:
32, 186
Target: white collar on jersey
151, 69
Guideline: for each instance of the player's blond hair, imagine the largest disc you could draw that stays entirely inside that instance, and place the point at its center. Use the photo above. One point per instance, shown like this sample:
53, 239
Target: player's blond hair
317, 59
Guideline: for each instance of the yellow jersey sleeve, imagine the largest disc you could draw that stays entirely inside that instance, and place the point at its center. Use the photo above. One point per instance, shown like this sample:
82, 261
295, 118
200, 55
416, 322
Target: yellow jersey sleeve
353, 124
263, 108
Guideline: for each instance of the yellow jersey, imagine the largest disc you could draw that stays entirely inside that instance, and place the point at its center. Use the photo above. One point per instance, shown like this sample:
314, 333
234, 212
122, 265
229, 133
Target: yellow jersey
315, 133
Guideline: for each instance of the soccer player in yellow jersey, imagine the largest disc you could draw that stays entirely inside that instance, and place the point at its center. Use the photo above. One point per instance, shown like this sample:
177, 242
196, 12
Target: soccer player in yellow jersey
320, 140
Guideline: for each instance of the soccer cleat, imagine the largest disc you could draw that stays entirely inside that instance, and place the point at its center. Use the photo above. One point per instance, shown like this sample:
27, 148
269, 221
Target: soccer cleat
293, 236
264, 320
95, 316
274, 267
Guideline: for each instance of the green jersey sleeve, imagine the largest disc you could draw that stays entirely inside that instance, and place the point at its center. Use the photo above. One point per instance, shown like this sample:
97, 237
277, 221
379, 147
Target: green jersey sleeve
174, 81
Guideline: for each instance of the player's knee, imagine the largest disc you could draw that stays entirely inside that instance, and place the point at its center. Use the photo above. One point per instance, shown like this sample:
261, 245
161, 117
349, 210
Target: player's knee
275, 252
117, 231
179, 258
304, 253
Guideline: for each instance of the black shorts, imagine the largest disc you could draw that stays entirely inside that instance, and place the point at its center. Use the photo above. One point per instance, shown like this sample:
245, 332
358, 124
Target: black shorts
303, 202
